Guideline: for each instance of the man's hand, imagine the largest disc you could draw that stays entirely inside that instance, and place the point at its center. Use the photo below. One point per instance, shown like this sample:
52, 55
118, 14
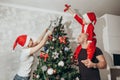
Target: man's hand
89, 64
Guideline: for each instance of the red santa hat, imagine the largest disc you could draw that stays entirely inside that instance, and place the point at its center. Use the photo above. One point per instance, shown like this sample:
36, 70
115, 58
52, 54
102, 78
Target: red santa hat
22, 40
90, 17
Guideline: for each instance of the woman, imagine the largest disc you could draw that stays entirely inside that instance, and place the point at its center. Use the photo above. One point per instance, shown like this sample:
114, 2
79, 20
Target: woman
29, 48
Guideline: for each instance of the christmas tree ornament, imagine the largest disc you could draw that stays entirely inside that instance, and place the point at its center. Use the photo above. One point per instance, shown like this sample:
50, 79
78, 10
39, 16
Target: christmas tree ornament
62, 39
61, 63
50, 38
62, 79
71, 56
37, 76
44, 68
55, 29
50, 71
67, 7
54, 71
77, 78
55, 55
53, 39
66, 49
60, 51
47, 51
58, 77
45, 48
52, 47
72, 59
44, 56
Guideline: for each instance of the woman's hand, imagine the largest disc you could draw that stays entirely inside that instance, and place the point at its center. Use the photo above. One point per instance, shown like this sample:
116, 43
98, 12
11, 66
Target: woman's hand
46, 29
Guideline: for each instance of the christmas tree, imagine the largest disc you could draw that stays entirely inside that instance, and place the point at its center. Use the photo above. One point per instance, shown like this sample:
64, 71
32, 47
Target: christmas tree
55, 61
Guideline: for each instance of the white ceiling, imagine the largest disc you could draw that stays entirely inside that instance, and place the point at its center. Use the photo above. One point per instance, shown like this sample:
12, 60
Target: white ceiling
100, 7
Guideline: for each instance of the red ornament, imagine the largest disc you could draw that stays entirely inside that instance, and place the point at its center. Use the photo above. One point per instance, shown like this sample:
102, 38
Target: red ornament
44, 56
50, 37
66, 7
62, 39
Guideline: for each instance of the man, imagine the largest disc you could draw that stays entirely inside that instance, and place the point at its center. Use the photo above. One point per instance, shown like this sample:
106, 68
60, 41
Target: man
89, 69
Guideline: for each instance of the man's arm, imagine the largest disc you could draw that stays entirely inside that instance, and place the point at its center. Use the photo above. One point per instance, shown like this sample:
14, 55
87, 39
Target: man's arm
101, 63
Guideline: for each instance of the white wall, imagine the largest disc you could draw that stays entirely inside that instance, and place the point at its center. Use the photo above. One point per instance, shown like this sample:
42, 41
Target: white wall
99, 34
111, 33
19, 20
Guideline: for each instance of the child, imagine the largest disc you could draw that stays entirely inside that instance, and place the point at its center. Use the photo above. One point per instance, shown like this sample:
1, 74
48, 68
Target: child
87, 22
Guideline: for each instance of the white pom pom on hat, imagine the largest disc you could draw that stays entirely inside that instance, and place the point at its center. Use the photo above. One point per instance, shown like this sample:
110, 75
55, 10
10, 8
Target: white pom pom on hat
90, 17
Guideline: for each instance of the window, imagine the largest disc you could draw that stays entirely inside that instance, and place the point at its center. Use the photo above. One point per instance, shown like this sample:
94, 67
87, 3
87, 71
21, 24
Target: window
116, 59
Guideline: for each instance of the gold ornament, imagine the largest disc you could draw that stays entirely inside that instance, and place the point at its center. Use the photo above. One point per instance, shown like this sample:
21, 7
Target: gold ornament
54, 71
